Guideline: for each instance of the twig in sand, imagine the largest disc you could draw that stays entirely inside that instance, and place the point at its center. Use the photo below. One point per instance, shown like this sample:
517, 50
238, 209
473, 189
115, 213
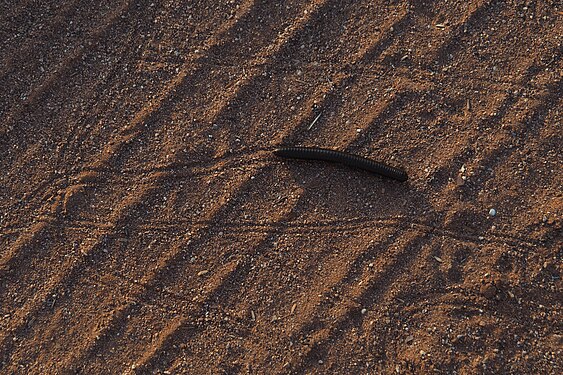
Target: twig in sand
315, 120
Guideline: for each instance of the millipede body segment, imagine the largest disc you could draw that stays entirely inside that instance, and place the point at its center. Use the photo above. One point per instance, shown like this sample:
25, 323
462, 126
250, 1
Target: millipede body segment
313, 153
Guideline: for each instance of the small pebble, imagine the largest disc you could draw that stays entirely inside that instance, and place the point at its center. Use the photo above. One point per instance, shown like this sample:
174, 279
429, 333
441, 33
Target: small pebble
488, 290
492, 212
364, 311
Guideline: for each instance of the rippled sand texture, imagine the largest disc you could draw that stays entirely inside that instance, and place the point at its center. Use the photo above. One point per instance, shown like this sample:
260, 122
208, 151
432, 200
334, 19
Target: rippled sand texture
146, 226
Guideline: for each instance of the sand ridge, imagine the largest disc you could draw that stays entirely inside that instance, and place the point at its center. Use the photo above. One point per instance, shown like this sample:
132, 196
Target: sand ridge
147, 227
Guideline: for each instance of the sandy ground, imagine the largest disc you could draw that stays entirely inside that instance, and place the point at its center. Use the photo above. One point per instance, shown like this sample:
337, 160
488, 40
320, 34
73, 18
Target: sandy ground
146, 226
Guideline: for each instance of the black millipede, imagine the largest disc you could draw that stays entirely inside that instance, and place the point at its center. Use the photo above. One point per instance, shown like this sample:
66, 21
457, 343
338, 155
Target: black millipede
314, 153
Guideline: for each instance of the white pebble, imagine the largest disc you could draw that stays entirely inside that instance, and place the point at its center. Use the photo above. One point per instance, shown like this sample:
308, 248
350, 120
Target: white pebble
492, 212
364, 311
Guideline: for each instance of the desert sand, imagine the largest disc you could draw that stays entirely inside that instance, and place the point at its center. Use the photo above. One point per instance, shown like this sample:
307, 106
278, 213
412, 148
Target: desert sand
146, 226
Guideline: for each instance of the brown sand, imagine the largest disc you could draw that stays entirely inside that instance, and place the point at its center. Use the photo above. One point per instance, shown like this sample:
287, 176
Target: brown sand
146, 226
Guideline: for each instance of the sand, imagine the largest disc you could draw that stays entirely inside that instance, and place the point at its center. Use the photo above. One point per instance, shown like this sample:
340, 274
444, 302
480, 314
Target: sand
147, 227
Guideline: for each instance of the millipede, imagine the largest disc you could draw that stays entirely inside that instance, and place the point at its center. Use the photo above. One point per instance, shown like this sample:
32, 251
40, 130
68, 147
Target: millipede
322, 154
